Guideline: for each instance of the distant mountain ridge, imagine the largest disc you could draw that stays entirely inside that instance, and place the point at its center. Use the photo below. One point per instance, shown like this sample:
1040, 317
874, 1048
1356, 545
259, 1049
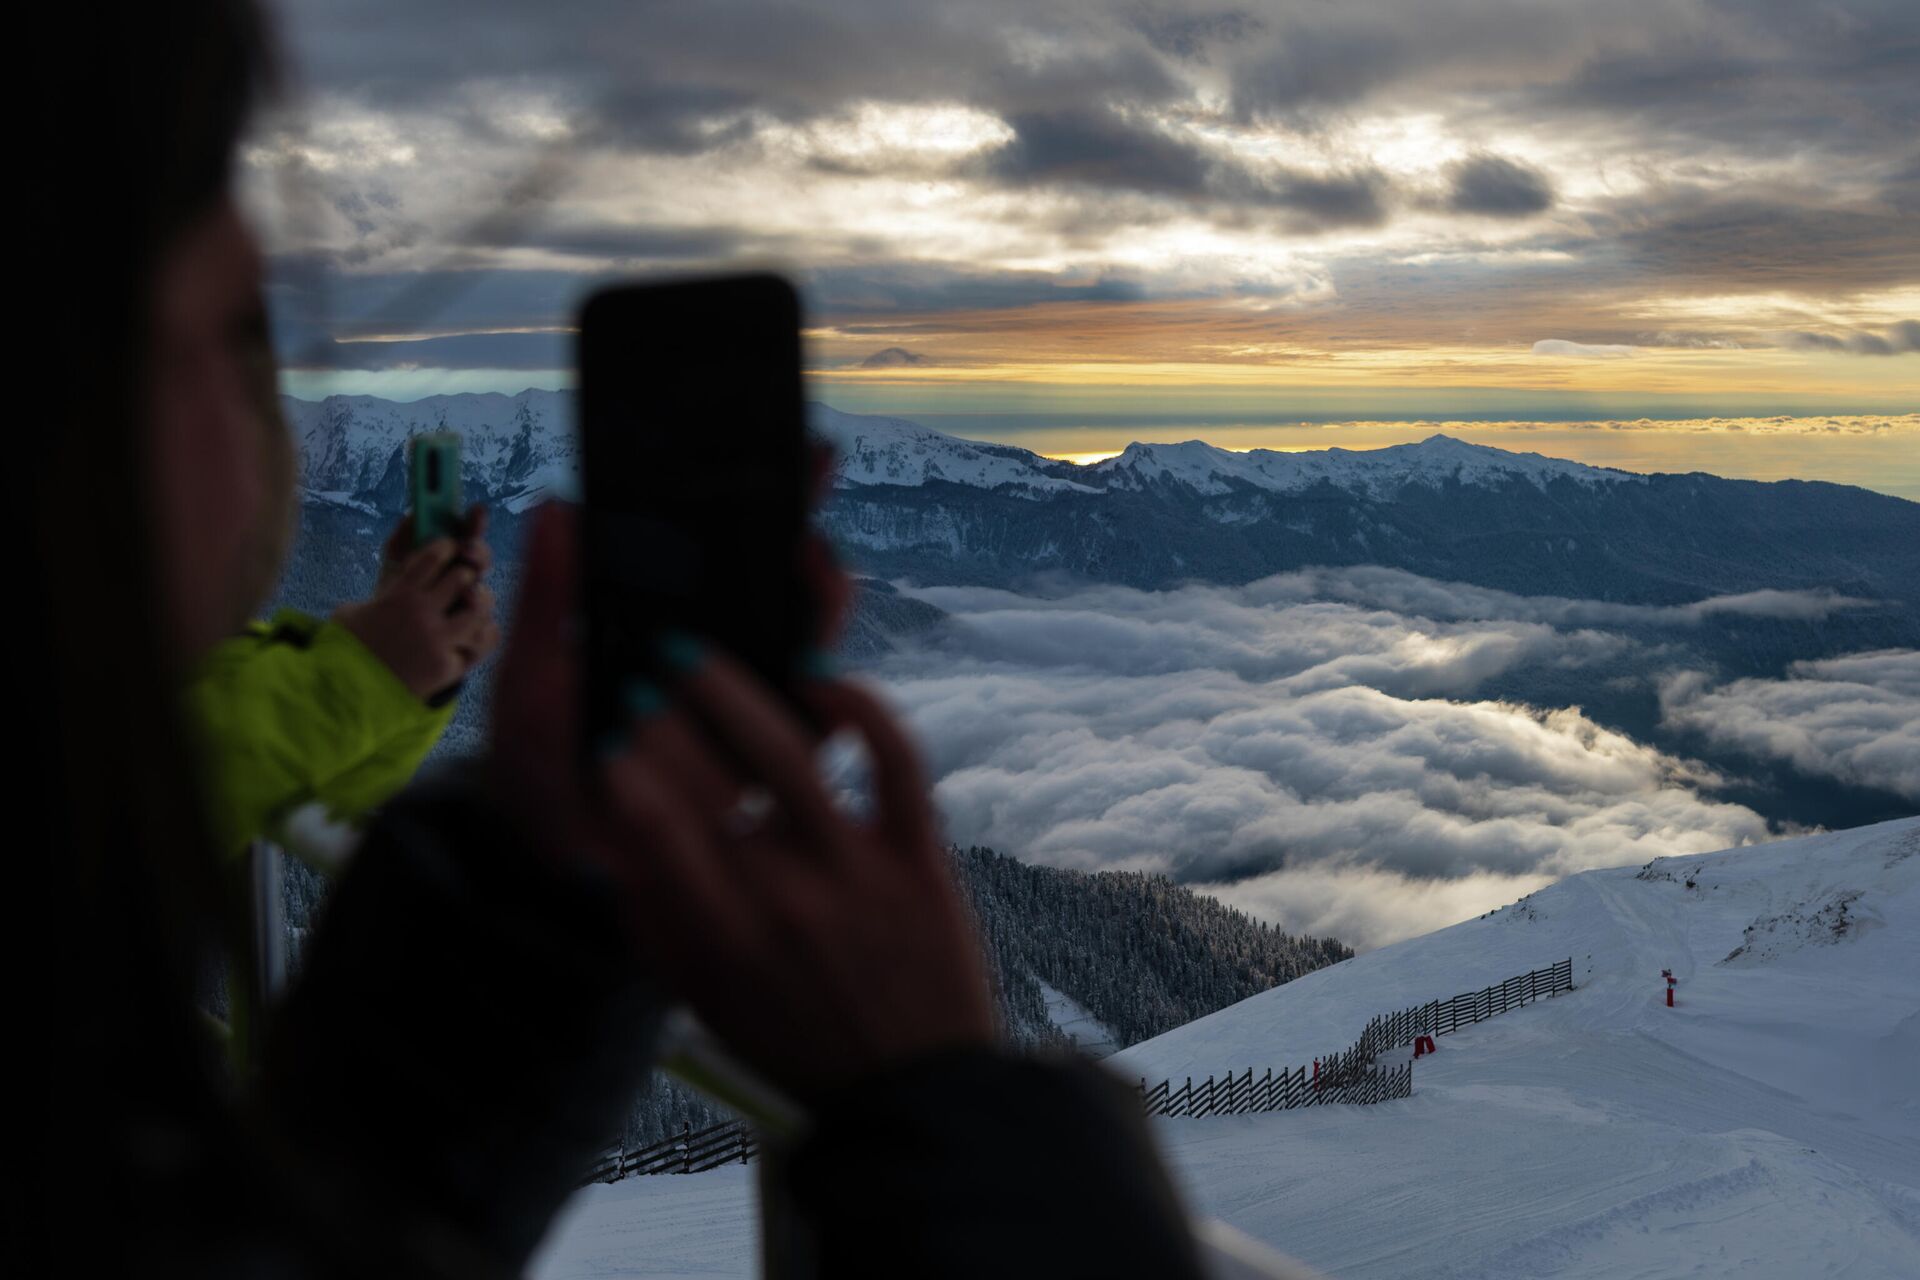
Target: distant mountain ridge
894, 451
918, 504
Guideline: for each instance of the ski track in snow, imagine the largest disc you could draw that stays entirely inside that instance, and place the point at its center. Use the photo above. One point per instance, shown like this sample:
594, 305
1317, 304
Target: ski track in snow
1091, 1036
1767, 1127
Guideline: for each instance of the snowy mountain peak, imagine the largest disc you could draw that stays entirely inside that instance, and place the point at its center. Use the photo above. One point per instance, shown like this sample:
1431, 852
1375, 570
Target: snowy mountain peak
1377, 473
873, 450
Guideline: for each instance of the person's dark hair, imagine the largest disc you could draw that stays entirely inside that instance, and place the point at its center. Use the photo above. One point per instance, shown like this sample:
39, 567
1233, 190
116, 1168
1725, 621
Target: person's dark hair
140, 109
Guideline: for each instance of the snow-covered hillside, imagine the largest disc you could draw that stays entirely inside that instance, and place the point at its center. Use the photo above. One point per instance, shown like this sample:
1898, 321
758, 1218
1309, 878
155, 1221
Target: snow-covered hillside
1768, 1126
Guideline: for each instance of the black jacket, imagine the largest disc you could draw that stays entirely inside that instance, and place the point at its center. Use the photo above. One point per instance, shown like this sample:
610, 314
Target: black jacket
467, 1029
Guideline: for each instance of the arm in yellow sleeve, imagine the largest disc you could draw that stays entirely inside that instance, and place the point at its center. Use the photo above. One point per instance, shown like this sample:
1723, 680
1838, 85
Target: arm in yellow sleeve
299, 710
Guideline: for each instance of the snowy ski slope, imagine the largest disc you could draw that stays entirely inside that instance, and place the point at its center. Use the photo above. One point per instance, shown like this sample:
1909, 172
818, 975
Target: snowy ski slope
1768, 1126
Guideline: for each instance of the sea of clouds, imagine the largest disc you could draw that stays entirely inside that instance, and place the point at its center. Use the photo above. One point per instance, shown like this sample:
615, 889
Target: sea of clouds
1314, 747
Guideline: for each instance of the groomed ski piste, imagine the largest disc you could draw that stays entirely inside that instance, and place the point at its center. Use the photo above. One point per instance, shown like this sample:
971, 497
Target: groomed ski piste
1768, 1125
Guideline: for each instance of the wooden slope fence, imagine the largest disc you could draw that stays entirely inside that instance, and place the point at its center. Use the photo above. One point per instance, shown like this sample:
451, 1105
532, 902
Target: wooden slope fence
685, 1152
1350, 1076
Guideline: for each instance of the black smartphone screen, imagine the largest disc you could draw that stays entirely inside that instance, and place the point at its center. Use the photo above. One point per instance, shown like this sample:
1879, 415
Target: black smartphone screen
694, 472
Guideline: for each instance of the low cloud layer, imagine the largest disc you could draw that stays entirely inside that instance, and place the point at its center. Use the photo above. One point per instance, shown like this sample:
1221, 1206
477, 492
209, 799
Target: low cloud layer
1315, 747
1855, 718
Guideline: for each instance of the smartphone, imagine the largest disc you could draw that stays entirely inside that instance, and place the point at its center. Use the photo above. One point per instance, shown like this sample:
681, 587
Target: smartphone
434, 465
695, 484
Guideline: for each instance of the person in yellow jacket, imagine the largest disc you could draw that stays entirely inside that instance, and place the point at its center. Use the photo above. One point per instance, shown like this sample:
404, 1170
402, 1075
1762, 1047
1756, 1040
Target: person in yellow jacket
340, 712
297, 710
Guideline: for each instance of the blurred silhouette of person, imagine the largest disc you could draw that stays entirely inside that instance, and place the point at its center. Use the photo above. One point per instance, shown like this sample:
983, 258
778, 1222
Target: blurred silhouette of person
480, 999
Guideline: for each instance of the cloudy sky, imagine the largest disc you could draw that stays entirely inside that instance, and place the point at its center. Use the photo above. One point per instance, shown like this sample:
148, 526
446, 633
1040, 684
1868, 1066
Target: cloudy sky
1322, 749
1073, 224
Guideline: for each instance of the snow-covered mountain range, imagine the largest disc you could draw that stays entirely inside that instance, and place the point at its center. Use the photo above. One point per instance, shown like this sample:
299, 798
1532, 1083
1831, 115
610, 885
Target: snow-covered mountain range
349, 446
893, 451
514, 449
1767, 1127
916, 503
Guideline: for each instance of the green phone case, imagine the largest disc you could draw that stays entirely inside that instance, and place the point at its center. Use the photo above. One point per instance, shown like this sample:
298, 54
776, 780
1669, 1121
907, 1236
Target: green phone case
438, 511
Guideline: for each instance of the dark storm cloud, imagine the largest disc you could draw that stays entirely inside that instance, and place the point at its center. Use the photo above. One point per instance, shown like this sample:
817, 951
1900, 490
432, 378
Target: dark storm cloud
1311, 65
320, 314
1743, 73
1497, 187
627, 241
1099, 148
1778, 241
1899, 339
1837, 76
1116, 119
661, 74
1314, 202
1195, 36
308, 296
886, 288
1102, 149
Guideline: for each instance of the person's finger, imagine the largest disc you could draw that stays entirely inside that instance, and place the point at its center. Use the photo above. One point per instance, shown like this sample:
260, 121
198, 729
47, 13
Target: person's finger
478, 603
690, 766
476, 555
905, 804
452, 587
399, 541
425, 566
480, 636
770, 744
474, 548
471, 615
651, 838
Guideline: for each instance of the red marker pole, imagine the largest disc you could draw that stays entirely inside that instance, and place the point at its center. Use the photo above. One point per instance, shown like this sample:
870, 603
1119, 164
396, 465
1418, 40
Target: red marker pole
1671, 981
